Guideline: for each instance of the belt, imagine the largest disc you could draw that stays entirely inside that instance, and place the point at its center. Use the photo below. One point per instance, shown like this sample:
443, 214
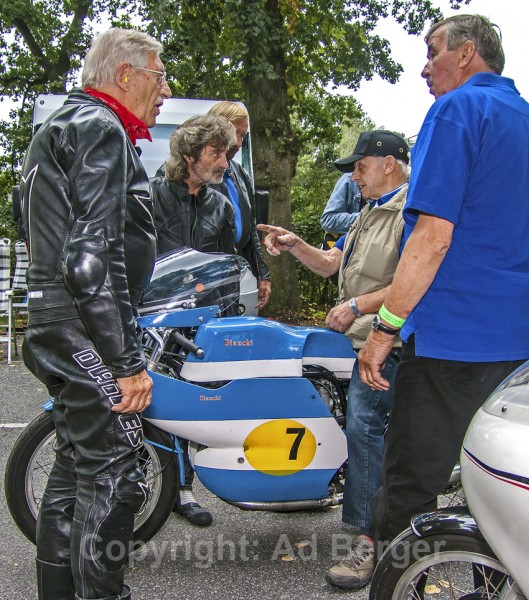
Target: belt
50, 302
53, 302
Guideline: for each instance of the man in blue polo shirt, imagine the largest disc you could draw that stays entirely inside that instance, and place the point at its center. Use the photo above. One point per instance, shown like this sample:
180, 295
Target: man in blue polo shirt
460, 296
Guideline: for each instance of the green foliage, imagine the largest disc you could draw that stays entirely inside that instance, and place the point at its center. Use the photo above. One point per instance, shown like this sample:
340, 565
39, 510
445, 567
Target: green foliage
216, 48
41, 48
283, 58
315, 179
351, 133
7, 225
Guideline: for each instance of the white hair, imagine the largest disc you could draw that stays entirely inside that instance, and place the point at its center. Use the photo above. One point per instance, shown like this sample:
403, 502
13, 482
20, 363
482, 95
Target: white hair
112, 48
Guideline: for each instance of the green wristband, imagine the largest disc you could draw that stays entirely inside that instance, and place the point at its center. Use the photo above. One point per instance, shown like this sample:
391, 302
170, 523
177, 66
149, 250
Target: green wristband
390, 318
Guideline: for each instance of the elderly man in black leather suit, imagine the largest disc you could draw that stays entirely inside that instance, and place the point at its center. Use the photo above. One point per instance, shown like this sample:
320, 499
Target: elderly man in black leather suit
88, 216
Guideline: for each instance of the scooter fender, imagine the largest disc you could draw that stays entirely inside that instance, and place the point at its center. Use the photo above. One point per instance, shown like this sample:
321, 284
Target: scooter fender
249, 347
267, 440
456, 520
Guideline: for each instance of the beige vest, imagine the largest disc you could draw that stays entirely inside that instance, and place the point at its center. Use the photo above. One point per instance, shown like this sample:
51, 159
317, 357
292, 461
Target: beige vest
375, 237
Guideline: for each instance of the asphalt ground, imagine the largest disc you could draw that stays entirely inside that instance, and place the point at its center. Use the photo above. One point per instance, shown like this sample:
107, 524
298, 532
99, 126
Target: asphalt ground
242, 556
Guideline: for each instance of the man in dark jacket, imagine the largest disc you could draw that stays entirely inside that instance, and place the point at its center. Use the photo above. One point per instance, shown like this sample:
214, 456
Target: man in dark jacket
190, 213
237, 186
187, 211
88, 217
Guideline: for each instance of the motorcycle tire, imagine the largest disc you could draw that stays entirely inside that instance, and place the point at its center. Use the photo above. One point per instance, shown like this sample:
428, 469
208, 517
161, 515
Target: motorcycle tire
32, 457
451, 566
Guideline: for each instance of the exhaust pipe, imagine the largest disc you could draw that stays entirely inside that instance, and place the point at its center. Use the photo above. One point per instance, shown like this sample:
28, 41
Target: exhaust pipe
288, 506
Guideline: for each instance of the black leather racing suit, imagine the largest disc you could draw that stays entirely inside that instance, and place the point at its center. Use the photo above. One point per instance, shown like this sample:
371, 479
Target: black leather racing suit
89, 221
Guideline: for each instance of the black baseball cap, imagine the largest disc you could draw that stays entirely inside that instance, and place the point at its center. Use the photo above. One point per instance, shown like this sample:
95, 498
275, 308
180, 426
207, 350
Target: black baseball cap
375, 143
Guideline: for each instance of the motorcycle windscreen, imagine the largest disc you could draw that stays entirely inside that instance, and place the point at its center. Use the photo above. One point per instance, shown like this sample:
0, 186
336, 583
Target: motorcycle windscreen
185, 275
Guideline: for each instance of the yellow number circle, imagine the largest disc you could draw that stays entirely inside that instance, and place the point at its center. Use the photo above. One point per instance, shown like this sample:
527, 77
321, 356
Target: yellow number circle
280, 447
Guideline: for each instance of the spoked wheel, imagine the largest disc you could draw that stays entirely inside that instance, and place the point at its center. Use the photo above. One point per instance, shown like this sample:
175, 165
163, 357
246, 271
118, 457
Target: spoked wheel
453, 494
31, 459
450, 567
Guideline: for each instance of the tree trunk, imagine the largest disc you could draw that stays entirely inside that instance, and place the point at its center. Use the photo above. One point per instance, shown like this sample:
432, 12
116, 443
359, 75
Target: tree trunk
274, 163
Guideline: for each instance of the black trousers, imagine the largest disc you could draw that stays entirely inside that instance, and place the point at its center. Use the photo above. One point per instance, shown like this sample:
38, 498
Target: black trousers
86, 517
433, 403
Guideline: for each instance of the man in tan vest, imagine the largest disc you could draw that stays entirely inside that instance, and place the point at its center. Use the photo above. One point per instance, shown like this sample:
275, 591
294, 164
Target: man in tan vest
366, 258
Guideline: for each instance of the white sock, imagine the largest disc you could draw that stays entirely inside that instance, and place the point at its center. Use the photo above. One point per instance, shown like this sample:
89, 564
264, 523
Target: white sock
186, 496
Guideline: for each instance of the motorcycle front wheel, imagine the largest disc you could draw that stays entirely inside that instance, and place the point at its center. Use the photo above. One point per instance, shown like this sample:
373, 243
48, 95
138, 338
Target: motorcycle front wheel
31, 459
444, 567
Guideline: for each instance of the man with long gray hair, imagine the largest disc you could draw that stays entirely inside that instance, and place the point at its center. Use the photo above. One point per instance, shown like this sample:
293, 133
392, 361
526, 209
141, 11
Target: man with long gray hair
190, 213
88, 218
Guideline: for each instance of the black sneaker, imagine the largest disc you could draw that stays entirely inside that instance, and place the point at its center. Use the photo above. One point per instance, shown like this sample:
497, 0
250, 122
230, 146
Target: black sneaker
194, 513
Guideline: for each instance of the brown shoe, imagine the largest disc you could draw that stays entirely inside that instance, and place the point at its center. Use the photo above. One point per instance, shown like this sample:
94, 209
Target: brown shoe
355, 571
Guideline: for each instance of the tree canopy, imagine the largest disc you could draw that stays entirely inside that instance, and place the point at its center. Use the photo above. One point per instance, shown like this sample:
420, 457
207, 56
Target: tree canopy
283, 58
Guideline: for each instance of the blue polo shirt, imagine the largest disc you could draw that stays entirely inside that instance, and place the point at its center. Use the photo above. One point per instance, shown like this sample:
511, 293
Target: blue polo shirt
470, 166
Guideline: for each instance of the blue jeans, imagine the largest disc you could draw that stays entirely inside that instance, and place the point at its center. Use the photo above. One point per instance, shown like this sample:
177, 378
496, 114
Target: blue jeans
367, 412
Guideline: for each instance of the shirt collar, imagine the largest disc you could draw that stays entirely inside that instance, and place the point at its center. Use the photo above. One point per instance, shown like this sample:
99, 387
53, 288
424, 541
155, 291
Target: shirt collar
135, 128
387, 197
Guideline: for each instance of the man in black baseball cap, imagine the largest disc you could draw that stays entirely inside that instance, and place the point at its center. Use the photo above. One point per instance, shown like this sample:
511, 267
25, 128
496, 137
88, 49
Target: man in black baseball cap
375, 143
366, 259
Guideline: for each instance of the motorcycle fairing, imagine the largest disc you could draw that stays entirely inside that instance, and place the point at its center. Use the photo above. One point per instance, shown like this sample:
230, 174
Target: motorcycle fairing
273, 398
280, 445
179, 318
253, 486
249, 347
495, 474
206, 279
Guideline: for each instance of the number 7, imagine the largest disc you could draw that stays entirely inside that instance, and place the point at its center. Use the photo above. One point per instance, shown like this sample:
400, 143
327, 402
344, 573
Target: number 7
299, 432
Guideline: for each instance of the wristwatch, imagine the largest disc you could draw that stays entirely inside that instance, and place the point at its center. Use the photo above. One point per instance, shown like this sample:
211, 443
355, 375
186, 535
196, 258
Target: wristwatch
352, 305
377, 325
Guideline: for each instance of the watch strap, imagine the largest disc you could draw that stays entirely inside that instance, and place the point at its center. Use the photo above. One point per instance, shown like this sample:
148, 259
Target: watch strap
353, 306
377, 325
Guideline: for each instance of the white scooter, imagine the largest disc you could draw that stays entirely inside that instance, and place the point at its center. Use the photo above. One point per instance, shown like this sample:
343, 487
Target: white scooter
480, 552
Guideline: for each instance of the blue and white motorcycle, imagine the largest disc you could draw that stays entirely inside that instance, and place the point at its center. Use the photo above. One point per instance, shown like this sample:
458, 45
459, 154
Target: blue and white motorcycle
262, 403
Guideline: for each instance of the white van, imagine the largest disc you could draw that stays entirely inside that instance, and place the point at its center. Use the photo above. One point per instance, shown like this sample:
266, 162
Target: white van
172, 114
153, 154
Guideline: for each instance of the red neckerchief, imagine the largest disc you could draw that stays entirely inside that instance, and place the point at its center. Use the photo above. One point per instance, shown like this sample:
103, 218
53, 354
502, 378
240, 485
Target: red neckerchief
136, 129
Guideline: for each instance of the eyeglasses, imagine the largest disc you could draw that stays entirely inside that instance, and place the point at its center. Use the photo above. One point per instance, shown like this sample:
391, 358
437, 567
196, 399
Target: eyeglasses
160, 75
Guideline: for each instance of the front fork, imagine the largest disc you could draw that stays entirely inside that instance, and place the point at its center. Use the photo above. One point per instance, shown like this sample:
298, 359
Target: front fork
511, 591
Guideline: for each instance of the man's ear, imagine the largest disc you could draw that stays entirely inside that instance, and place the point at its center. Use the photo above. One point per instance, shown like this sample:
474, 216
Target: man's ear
467, 51
122, 78
389, 164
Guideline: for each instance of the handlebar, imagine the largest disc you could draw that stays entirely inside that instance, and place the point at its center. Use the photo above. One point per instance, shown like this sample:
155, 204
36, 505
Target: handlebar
177, 337
160, 341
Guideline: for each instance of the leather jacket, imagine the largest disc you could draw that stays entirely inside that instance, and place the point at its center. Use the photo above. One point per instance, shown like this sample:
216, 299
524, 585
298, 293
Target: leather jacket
88, 216
205, 221
249, 246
